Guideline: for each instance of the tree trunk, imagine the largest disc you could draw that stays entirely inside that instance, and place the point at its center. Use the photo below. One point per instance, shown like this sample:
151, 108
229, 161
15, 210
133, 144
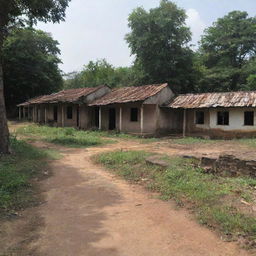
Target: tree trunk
4, 132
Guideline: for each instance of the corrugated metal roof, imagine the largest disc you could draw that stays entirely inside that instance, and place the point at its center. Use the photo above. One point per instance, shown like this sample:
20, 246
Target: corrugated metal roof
213, 100
70, 95
129, 94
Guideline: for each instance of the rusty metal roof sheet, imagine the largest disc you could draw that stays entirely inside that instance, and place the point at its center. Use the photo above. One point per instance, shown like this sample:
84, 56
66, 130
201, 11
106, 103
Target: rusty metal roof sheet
213, 100
129, 94
69, 96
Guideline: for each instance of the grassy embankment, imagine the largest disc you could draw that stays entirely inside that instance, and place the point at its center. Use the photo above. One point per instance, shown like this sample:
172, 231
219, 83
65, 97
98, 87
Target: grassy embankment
216, 201
18, 172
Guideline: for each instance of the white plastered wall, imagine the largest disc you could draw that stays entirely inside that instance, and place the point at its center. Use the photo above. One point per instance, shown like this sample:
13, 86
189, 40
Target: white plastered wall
236, 119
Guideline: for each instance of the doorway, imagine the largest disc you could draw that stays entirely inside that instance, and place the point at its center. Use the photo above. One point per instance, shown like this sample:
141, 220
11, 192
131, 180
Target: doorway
112, 118
55, 113
96, 117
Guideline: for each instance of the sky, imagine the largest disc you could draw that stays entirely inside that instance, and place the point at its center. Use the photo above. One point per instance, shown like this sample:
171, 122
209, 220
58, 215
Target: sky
95, 29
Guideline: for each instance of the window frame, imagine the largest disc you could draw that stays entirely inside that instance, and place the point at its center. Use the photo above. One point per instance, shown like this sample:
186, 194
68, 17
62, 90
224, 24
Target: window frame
132, 119
246, 112
223, 123
69, 112
196, 117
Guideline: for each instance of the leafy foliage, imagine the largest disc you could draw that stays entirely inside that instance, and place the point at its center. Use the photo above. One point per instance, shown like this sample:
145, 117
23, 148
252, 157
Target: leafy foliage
31, 11
228, 53
21, 11
159, 39
101, 72
30, 65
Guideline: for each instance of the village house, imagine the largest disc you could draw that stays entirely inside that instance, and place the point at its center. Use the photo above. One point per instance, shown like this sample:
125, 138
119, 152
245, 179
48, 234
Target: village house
147, 110
67, 108
217, 115
133, 109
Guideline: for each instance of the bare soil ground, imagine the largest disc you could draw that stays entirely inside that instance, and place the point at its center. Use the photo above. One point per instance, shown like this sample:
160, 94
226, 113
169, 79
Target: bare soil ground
88, 211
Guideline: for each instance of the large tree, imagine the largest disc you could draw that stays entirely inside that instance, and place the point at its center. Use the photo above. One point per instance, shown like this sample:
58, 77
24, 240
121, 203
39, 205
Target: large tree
21, 11
228, 51
30, 65
159, 40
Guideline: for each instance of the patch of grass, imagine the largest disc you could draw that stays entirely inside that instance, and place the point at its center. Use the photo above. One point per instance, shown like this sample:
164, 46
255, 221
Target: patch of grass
63, 136
75, 138
192, 140
16, 172
251, 142
205, 194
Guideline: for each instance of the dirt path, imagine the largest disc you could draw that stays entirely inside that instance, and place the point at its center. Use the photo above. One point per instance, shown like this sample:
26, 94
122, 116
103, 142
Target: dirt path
88, 212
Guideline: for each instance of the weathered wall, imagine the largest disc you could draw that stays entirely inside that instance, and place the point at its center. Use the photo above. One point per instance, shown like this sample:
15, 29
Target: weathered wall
191, 126
236, 119
229, 165
96, 95
236, 127
83, 116
170, 120
149, 120
160, 98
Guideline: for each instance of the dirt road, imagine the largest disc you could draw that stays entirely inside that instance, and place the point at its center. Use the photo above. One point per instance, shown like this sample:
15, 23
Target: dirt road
90, 212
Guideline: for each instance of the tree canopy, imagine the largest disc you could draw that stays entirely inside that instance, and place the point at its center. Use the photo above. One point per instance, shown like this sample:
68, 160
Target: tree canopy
227, 51
101, 72
20, 11
159, 39
30, 65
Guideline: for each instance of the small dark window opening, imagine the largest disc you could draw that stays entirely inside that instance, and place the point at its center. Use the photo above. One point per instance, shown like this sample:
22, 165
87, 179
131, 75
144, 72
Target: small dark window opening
55, 113
223, 118
69, 112
134, 115
248, 118
199, 117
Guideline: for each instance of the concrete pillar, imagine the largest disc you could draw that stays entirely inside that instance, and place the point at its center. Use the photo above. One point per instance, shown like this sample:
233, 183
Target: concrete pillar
34, 114
24, 112
78, 116
39, 114
141, 119
19, 113
184, 122
28, 113
62, 116
120, 119
100, 122
45, 115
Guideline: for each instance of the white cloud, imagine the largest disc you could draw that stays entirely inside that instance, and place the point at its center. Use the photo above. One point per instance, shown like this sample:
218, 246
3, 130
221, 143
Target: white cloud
196, 24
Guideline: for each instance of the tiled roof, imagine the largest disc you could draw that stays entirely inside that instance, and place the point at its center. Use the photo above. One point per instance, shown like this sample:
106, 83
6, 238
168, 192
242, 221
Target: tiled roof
213, 100
129, 94
70, 95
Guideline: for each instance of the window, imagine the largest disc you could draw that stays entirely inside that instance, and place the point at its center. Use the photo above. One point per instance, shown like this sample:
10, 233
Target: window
248, 118
69, 112
199, 117
134, 115
55, 113
223, 118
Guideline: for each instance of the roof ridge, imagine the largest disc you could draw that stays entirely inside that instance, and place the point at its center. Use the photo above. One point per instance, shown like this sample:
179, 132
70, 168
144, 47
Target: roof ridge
198, 93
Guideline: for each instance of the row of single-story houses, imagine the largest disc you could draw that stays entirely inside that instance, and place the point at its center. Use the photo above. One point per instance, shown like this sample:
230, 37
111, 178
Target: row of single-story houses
147, 110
